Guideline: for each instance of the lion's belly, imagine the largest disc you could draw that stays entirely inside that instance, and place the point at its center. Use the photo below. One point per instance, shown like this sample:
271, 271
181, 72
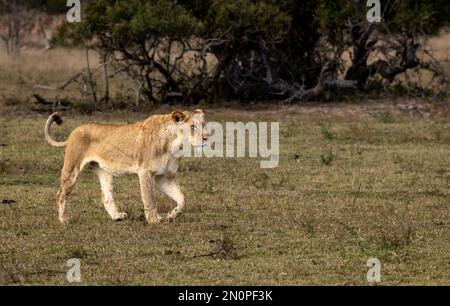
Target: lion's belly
114, 167
163, 165
119, 171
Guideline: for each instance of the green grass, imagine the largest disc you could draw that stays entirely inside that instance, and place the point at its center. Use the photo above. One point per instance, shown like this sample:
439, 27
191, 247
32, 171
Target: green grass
384, 194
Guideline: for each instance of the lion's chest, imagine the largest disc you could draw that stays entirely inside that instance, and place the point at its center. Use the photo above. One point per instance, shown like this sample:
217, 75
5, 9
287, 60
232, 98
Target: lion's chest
166, 165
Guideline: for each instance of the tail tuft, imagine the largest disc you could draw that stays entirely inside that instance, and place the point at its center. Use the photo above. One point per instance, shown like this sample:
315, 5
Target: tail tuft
57, 118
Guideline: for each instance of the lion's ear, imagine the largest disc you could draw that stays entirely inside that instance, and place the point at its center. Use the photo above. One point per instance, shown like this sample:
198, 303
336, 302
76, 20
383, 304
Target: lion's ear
199, 111
178, 116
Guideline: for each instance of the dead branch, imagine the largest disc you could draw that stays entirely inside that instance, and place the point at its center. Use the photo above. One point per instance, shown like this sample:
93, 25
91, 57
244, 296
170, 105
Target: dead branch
405, 59
62, 86
327, 81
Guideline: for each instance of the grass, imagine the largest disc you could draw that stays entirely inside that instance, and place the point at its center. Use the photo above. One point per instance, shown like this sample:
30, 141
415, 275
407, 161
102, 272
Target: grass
19, 75
385, 195
355, 181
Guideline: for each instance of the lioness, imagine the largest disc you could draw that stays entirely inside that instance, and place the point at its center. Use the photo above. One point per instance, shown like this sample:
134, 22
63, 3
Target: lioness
147, 148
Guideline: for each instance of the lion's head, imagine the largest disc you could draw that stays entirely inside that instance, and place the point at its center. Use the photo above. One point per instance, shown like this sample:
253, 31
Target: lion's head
189, 128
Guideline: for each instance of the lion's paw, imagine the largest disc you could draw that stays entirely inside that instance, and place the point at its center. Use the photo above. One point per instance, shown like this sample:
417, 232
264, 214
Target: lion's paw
172, 215
120, 216
154, 219
63, 220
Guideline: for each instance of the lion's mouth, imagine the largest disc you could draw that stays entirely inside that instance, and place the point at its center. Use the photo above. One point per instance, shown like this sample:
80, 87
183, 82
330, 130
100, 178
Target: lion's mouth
204, 144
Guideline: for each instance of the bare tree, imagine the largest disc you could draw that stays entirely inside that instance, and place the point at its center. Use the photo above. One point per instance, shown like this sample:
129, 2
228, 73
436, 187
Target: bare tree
13, 16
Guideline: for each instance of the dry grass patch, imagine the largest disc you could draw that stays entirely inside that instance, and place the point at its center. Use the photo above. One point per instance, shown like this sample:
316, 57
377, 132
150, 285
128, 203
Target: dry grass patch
385, 194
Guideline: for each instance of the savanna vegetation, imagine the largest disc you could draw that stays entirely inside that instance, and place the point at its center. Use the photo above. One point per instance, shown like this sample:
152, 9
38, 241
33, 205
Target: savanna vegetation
364, 141
249, 50
289, 50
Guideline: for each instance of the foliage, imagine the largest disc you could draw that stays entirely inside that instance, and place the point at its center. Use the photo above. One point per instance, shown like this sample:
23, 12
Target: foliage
282, 49
49, 6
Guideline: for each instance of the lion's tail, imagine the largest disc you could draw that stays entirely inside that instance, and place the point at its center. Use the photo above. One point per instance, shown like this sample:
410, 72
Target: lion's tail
53, 118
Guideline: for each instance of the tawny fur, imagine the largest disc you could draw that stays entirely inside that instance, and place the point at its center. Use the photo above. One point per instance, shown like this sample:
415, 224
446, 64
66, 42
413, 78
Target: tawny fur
143, 148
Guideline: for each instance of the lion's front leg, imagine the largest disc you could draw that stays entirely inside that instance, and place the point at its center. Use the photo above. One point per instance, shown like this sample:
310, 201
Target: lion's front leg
170, 187
150, 210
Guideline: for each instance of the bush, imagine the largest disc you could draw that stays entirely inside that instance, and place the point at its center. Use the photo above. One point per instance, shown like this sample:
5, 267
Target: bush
265, 49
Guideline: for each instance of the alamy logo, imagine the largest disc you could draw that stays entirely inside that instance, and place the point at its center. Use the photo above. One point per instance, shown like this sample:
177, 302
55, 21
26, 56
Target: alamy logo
374, 273
74, 13
374, 13
239, 139
74, 273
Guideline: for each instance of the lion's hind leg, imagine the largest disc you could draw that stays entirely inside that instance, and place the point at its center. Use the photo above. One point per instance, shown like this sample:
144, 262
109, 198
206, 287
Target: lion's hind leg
107, 185
68, 179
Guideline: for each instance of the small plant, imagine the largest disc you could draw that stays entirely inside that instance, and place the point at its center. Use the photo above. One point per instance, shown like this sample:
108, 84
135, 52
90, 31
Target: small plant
397, 238
327, 157
261, 181
385, 117
208, 188
396, 228
76, 252
397, 158
325, 130
310, 226
223, 248
4, 166
10, 270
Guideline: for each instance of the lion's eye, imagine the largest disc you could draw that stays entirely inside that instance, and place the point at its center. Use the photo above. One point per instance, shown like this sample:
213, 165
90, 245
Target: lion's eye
193, 127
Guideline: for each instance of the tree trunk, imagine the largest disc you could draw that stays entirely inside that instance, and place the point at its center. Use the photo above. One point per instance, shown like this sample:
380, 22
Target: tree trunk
105, 97
90, 79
